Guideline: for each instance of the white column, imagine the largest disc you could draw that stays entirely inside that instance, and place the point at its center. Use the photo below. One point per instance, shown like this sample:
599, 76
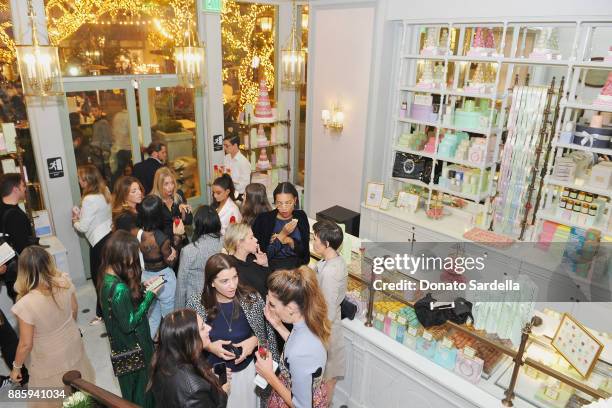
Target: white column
286, 97
209, 28
45, 118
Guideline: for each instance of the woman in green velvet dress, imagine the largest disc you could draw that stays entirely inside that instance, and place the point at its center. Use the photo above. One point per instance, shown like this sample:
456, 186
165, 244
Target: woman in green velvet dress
125, 310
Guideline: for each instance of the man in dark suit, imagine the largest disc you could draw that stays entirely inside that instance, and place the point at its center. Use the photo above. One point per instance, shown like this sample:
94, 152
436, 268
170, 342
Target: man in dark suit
145, 170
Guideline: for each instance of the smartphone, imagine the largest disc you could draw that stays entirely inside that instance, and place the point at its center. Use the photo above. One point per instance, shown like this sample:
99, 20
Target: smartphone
221, 370
157, 283
233, 349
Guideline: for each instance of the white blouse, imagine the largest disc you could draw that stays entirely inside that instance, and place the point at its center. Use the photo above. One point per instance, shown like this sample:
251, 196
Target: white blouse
229, 210
95, 218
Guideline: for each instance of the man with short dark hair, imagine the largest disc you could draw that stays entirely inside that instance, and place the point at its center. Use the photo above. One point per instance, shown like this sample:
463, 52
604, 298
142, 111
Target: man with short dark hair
145, 170
14, 223
238, 167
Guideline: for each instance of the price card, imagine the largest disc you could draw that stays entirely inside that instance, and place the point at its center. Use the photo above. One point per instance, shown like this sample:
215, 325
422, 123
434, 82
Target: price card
552, 393
412, 331
401, 320
427, 336
469, 352
446, 342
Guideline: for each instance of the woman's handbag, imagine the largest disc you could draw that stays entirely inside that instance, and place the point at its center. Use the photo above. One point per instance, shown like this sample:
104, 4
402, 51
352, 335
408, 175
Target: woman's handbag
124, 361
348, 309
459, 312
320, 398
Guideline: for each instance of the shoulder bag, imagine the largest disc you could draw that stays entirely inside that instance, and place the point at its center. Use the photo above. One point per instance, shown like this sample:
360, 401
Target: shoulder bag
124, 361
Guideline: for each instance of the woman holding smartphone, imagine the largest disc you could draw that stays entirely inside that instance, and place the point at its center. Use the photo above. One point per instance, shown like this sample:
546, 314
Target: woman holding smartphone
180, 374
125, 308
235, 314
284, 233
294, 297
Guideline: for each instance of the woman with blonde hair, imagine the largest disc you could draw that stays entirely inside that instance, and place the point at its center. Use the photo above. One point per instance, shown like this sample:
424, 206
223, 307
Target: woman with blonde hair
250, 262
294, 297
46, 312
175, 209
127, 195
93, 219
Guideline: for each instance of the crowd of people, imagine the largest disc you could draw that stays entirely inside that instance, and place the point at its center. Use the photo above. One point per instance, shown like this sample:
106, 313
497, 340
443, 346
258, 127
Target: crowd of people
231, 316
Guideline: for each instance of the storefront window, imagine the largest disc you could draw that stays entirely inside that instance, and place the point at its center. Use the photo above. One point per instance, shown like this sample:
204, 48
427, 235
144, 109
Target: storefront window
248, 44
118, 36
173, 122
100, 126
13, 114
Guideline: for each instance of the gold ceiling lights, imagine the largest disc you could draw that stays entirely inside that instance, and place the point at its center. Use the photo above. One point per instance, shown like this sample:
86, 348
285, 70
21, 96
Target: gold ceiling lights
189, 60
293, 57
39, 65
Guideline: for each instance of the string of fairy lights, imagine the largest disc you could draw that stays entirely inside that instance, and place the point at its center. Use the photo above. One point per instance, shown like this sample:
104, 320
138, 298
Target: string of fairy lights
241, 38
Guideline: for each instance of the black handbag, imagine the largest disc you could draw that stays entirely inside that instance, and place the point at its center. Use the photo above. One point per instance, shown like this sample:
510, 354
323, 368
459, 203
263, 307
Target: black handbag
412, 166
434, 316
347, 309
124, 361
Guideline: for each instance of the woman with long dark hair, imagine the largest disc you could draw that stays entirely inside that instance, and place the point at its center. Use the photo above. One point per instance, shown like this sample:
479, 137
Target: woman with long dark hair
284, 233
235, 314
127, 195
294, 297
206, 242
180, 373
255, 202
158, 255
223, 192
93, 219
125, 308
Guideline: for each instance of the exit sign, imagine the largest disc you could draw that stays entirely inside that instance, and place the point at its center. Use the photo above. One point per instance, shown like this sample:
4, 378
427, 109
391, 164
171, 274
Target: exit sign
212, 5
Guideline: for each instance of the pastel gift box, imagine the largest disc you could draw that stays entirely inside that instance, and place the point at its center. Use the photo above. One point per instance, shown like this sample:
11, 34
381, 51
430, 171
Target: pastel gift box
601, 175
410, 337
565, 169
469, 367
430, 147
445, 356
426, 348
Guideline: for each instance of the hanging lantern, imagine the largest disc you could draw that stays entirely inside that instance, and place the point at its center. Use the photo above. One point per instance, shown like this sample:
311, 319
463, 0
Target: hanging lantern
39, 65
293, 58
189, 61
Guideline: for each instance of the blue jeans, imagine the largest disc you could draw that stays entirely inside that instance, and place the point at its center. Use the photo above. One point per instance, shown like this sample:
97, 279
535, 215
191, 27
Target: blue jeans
164, 304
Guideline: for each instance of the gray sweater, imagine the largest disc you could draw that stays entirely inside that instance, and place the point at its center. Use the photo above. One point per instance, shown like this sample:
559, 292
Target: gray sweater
190, 279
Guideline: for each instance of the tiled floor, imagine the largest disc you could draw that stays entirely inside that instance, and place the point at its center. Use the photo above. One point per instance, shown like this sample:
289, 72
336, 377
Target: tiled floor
97, 347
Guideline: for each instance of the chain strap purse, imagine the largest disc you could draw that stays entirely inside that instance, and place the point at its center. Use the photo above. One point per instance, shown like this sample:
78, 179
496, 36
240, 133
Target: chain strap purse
124, 361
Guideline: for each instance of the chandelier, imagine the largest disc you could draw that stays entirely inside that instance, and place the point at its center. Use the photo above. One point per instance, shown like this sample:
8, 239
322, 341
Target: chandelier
190, 60
39, 65
293, 58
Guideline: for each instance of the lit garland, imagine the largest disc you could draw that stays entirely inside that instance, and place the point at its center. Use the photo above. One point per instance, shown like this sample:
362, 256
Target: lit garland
66, 17
7, 50
241, 42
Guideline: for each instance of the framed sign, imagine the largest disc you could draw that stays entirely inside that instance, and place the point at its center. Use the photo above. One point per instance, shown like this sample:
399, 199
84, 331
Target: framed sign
579, 347
55, 167
217, 143
374, 194
408, 200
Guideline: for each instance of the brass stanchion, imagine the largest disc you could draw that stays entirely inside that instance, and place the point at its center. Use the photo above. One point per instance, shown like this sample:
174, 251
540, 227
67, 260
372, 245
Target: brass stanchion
518, 360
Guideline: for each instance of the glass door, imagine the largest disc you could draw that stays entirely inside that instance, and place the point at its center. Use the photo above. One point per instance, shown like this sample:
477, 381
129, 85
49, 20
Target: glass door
175, 116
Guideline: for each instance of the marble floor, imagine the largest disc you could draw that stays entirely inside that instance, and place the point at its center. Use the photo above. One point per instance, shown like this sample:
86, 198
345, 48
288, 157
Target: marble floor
97, 347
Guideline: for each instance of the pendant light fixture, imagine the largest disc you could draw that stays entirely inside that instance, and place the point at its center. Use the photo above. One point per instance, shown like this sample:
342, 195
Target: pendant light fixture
189, 60
39, 65
293, 57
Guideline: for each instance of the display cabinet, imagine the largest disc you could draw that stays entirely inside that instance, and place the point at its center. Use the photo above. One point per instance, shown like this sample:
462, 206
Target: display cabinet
480, 363
454, 139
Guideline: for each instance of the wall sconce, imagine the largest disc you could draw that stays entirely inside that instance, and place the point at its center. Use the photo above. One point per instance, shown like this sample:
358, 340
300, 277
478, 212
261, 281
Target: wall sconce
265, 23
333, 119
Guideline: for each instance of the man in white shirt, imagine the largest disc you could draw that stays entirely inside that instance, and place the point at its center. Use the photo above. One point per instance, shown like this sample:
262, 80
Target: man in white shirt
236, 164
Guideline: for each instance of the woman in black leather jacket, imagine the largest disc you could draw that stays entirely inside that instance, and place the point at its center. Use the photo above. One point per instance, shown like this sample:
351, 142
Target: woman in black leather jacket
180, 373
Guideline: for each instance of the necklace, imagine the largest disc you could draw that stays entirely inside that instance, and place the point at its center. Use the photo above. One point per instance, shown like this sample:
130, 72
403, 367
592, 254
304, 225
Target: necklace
229, 322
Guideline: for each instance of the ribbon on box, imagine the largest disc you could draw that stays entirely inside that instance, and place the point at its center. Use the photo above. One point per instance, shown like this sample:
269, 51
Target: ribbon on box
590, 138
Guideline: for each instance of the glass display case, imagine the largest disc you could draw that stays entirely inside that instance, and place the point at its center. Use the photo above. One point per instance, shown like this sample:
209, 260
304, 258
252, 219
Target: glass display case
544, 379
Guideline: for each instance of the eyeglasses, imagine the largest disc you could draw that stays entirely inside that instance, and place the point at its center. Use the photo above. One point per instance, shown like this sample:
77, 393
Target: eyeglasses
285, 204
